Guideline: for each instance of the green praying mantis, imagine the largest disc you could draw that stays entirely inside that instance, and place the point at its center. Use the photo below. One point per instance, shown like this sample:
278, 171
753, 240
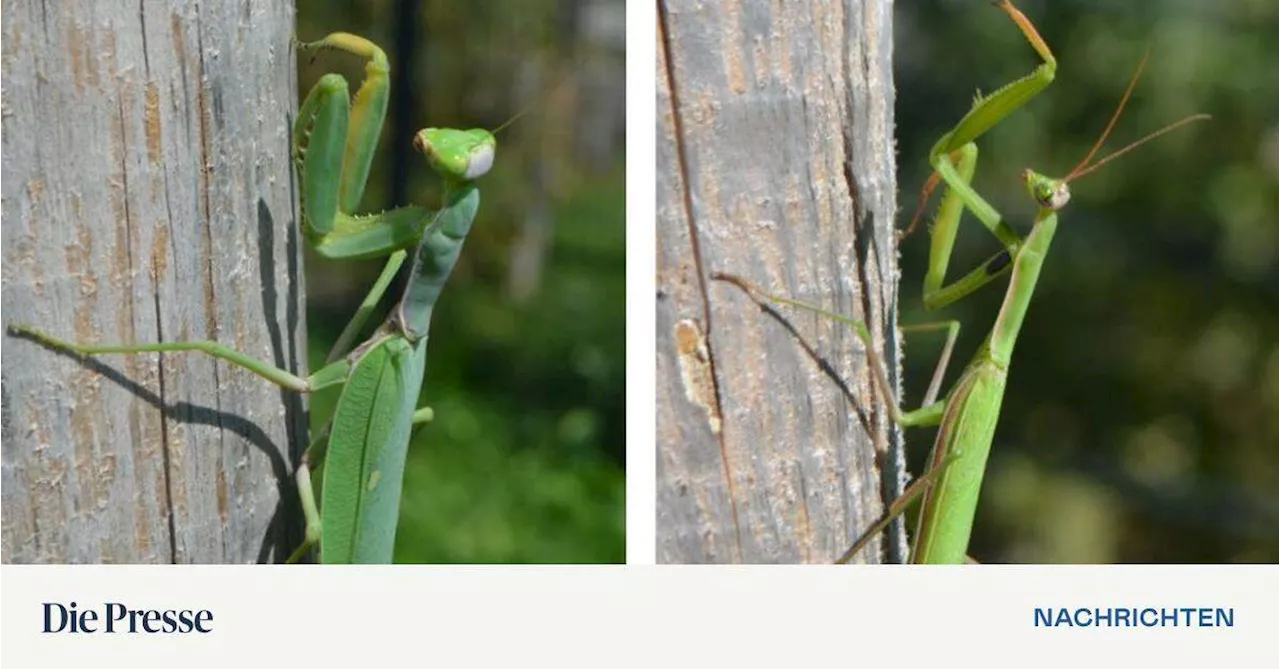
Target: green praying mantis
967, 416
361, 451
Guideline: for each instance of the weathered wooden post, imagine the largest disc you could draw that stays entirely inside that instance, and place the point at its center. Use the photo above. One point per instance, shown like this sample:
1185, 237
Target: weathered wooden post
775, 162
148, 196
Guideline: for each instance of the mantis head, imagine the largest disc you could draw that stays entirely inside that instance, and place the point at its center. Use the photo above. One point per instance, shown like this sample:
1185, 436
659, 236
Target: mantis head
457, 155
1049, 193
461, 155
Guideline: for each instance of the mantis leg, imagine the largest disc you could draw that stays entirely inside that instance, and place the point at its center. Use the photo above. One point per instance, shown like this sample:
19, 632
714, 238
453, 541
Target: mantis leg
325, 377
352, 330
953, 331
312, 458
942, 237
424, 415
930, 414
898, 507
309, 511
334, 141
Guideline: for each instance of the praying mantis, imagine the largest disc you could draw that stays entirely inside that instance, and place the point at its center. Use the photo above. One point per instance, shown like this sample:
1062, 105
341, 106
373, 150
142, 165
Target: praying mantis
362, 449
968, 413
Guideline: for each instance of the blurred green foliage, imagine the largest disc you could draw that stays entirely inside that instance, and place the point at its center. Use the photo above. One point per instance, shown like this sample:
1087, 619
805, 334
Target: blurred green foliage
525, 459
1140, 421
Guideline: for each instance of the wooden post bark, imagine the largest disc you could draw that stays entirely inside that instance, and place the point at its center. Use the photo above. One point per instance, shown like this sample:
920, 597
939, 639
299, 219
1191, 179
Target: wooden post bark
148, 196
775, 163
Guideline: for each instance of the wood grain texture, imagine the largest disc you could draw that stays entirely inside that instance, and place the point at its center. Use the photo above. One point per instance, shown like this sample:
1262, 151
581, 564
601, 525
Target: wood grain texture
775, 163
148, 196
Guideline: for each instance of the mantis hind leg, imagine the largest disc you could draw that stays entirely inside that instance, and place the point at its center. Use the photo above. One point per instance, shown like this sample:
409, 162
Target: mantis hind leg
311, 512
424, 415
274, 374
896, 508
313, 458
926, 415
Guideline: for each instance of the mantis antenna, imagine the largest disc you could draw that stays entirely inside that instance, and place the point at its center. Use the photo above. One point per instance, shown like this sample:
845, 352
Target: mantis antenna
1085, 168
529, 107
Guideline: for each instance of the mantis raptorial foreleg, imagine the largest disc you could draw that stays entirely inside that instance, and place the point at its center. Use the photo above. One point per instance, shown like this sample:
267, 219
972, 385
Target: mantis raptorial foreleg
334, 141
954, 158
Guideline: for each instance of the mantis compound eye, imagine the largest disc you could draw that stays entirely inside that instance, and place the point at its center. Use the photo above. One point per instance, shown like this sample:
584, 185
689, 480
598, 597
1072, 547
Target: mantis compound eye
1043, 194
480, 159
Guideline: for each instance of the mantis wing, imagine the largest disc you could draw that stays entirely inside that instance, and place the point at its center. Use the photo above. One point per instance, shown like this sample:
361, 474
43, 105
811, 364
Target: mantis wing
364, 468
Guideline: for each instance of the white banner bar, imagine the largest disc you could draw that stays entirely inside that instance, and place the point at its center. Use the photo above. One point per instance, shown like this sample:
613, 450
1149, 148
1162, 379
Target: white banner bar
654, 616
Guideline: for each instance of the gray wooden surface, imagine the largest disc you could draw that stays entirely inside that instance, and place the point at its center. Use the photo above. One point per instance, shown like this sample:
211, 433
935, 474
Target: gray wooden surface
148, 196
775, 162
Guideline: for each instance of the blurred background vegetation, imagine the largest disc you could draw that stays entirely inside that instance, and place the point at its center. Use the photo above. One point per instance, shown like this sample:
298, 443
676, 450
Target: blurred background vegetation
526, 370
1140, 421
